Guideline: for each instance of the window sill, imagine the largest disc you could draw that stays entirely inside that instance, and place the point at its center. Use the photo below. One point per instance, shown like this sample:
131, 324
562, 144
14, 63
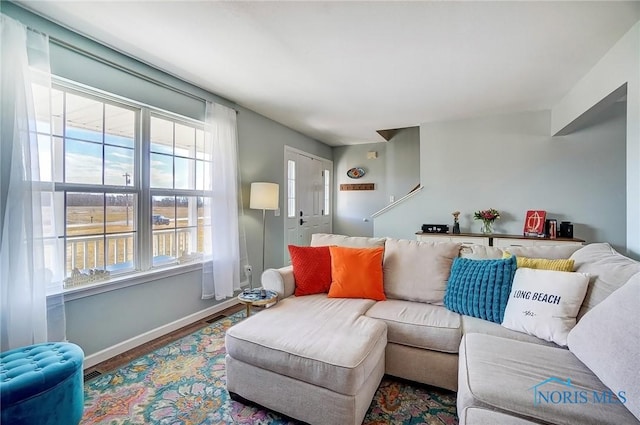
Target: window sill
131, 279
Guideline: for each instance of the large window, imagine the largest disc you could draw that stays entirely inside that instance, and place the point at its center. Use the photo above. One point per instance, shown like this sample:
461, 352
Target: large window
130, 180
180, 171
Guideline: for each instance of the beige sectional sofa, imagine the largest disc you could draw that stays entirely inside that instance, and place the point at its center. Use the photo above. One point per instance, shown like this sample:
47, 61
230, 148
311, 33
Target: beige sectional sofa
320, 359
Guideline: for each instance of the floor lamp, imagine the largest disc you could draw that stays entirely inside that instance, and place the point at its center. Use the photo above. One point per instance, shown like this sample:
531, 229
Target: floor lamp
264, 196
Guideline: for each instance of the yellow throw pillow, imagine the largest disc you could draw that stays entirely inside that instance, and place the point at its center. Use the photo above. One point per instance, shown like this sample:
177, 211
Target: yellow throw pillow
543, 263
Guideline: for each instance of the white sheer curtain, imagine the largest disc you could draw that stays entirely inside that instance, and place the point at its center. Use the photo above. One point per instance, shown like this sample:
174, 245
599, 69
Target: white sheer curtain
31, 300
222, 206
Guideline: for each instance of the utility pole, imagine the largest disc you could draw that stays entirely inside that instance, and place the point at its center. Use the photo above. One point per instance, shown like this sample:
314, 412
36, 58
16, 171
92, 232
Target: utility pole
127, 182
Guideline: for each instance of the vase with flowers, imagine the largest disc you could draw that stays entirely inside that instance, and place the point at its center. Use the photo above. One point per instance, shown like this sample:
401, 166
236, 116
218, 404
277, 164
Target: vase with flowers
487, 217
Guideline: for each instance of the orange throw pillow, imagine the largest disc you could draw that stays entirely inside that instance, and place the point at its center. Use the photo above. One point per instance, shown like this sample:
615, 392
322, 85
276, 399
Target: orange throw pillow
311, 269
357, 273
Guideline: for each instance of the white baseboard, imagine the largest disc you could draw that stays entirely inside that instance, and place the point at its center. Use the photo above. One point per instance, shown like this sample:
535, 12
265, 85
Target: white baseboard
109, 352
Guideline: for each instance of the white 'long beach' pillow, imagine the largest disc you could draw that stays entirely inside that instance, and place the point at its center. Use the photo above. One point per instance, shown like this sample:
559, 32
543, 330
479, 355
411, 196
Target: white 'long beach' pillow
545, 303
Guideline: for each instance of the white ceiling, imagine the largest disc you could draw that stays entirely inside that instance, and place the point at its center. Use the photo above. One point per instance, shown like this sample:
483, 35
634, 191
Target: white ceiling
339, 71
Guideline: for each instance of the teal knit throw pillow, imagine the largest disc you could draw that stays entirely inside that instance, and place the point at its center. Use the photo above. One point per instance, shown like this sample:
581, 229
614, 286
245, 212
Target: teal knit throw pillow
480, 288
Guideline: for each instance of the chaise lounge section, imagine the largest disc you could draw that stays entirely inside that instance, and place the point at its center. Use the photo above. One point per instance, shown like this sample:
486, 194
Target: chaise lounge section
320, 359
307, 354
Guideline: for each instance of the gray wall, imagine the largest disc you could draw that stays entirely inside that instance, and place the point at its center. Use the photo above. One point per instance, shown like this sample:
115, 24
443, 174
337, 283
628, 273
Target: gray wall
100, 321
619, 67
103, 320
352, 208
261, 146
88, 62
395, 173
403, 162
511, 163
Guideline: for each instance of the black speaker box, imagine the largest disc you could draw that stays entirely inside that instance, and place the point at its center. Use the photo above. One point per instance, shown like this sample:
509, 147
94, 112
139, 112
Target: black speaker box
435, 228
566, 229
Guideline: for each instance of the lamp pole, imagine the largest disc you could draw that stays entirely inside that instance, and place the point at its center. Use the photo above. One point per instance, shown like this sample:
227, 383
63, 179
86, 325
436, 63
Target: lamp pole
264, 211
264, 196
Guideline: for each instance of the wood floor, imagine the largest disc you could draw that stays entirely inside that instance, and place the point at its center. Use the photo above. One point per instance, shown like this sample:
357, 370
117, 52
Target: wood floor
126, 357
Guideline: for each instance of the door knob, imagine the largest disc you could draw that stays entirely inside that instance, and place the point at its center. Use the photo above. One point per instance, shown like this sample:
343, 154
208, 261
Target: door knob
302, 222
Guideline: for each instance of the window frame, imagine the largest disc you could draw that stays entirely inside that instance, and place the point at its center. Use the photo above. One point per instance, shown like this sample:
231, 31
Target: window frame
143, 269
62, 188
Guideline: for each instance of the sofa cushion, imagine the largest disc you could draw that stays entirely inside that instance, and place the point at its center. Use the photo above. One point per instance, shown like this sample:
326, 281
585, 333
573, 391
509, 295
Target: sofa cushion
480, 288
545, 303
327, 239
480, 252
551, 252
418, 271
419, 325
327, 342
609, 270
607, 340
481, 326
356, 273
311, 269
514, 378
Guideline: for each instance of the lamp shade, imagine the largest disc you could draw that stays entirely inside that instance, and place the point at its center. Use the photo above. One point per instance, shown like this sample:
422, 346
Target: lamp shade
264, 196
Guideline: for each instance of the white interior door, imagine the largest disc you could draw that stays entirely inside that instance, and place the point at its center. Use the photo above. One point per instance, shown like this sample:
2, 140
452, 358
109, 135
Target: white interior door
308, 209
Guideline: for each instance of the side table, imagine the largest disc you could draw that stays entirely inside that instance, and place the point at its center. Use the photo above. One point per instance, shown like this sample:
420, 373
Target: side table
253, 297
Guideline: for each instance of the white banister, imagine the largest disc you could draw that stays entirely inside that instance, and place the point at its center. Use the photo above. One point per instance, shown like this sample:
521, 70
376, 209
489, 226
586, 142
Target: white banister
399, 201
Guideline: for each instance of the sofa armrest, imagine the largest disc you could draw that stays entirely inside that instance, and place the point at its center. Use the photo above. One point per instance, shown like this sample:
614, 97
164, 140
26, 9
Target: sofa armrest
279, 280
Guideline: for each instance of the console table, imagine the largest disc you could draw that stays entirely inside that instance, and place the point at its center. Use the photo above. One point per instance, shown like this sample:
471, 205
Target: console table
495, 239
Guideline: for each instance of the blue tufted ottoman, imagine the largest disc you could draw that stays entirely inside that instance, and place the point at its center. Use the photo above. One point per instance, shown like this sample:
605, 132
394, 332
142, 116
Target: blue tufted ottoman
42, 384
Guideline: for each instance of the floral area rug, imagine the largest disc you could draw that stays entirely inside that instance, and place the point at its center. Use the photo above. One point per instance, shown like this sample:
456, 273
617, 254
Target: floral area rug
184, 383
